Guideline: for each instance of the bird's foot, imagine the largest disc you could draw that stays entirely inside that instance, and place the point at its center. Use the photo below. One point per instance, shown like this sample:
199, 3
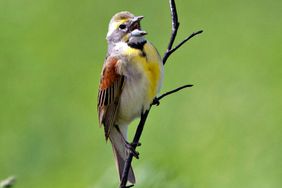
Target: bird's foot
131, 147
156, 101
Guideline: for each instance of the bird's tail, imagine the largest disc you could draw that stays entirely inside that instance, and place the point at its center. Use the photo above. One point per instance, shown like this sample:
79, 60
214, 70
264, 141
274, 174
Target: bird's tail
120, 151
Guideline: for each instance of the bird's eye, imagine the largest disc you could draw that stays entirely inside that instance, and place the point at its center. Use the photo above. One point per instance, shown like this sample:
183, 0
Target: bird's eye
122, 26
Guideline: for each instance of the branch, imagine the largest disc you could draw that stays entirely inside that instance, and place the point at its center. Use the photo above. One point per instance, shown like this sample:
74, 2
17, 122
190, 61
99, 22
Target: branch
157, 100
130, 156
174, 24
169, 51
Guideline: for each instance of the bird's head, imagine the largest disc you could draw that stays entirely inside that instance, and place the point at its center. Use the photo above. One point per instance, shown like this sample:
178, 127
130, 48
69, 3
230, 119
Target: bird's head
125, 27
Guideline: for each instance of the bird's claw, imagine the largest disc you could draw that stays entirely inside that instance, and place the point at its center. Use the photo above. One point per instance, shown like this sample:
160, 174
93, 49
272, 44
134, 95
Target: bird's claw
131, 147
156, 101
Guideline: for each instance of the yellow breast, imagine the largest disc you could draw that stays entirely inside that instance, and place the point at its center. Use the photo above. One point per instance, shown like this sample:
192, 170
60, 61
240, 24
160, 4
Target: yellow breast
150, 63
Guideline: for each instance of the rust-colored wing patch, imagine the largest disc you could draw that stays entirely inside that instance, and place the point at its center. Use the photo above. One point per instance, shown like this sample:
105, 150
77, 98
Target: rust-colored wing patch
109, 74
109, 94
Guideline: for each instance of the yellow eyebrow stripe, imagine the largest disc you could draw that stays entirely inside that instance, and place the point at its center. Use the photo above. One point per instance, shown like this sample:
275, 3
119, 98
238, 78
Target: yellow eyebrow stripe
117, 24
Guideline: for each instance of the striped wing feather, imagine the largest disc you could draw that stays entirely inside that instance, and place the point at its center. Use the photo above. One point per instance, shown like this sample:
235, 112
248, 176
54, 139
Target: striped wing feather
110, 89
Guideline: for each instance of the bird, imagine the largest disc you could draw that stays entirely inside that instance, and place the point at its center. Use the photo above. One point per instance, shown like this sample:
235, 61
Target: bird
131, 78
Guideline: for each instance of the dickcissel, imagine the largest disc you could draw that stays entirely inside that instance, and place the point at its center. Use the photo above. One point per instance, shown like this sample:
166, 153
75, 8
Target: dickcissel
131, 77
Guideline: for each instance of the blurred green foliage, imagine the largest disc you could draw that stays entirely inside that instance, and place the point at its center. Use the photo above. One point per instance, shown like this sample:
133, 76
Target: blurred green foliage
224, 132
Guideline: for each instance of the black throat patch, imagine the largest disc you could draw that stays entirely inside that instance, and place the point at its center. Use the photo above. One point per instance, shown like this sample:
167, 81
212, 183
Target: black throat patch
139, 46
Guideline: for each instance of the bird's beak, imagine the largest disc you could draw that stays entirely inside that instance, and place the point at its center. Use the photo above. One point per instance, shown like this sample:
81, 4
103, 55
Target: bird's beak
137, 18
138, 33
135, 27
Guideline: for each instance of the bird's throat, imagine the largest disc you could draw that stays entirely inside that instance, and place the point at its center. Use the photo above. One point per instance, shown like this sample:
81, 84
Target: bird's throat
137, 45
137, 42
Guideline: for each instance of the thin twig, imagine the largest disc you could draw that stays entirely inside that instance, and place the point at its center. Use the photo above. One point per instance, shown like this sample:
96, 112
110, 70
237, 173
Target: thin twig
174, 24
169, 51
157, 100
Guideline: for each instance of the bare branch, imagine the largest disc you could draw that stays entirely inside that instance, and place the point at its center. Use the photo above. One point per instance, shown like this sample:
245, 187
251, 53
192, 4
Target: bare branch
174, 24
134, 145
157, 100
169, 51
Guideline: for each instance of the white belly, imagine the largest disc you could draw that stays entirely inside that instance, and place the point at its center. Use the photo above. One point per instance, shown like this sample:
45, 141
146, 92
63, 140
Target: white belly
134, 99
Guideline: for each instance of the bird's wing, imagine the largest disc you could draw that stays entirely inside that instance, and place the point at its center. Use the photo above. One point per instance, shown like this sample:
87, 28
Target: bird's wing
110, 89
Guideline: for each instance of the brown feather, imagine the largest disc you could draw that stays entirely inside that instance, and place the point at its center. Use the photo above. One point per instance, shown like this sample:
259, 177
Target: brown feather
110, 89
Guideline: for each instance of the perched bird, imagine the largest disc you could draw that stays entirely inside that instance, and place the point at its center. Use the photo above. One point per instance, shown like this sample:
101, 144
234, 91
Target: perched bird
131, 77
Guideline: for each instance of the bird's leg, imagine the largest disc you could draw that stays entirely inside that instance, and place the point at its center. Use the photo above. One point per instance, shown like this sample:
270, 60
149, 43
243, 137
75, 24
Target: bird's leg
130, 146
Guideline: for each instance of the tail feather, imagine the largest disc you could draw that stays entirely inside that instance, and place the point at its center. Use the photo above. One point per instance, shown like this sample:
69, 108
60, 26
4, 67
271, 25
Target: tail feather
120, 154
120, 162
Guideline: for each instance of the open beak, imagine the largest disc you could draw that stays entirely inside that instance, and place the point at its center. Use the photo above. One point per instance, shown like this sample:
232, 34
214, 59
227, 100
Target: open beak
138, 33
137, 18
135, 28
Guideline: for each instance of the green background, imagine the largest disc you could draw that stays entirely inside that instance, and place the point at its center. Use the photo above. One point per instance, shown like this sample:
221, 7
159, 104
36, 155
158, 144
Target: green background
223, 132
